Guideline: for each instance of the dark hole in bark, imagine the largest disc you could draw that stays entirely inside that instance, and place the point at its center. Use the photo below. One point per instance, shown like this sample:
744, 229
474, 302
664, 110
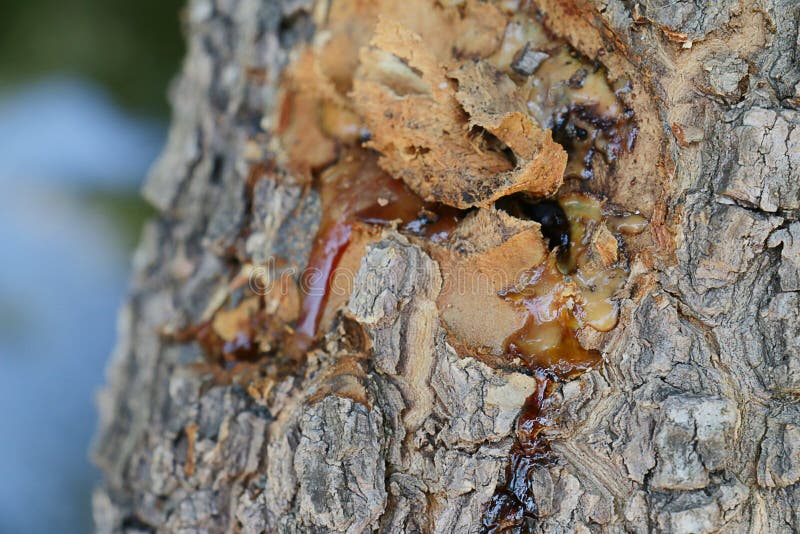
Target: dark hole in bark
548, 213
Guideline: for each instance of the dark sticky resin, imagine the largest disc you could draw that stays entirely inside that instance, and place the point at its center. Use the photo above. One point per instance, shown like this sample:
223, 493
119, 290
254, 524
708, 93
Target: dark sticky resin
513, 506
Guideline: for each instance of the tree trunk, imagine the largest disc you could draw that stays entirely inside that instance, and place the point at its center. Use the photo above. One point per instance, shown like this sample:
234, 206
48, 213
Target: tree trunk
689, 424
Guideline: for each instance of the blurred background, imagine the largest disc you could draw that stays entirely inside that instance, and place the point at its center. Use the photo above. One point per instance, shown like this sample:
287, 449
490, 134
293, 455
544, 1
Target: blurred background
83, 114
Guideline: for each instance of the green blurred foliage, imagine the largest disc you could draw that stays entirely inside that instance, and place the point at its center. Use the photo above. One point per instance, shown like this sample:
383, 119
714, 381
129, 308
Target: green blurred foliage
131, 47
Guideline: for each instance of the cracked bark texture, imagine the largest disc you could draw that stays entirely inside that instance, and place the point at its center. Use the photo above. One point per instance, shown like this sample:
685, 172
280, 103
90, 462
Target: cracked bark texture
690, 425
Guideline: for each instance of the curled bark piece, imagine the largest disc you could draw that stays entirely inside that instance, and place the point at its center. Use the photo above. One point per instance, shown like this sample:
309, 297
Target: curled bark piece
494, 103
444, 144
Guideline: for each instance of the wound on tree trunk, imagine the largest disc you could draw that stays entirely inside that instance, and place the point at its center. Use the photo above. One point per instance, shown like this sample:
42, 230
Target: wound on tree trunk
467, 266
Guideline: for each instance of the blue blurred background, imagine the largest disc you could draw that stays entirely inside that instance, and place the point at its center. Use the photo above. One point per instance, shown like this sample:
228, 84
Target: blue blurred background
83, 114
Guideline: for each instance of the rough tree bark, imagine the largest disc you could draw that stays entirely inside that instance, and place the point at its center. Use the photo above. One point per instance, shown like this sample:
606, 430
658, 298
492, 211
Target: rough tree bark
691, 423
